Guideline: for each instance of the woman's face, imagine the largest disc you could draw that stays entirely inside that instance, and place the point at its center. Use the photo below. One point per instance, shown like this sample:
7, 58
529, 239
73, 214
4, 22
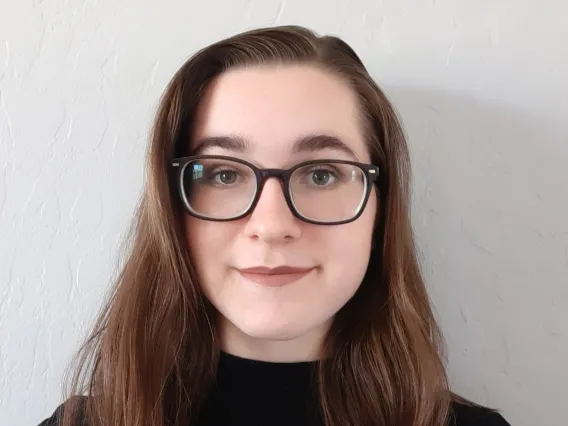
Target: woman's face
265, 314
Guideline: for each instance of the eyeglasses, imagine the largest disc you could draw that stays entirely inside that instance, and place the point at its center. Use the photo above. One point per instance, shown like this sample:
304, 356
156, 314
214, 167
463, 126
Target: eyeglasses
325, 192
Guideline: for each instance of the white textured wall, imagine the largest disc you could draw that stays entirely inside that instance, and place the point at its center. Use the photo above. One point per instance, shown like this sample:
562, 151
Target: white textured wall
481, 86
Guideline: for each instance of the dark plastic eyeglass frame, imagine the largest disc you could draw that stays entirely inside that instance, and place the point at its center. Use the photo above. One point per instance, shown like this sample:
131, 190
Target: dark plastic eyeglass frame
370, 171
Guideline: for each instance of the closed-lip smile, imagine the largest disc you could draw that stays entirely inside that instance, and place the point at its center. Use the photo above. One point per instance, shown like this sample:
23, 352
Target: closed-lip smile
274, 277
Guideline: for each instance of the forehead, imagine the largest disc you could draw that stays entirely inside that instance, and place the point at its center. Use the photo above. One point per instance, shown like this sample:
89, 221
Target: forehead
274, 106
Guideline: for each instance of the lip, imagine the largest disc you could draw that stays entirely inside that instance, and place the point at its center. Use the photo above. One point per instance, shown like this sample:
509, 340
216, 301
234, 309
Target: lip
274, 277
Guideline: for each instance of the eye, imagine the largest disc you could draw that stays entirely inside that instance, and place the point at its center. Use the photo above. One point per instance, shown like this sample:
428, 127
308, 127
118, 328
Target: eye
319, 176
225, 177
322, 177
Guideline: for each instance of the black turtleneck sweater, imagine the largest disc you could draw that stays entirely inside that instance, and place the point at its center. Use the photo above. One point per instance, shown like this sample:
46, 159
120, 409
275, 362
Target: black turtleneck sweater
252, 393
258, 393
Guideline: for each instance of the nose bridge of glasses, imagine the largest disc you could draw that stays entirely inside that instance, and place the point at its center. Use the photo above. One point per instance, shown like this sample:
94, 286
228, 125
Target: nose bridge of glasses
280, 175
277, 173
266, 174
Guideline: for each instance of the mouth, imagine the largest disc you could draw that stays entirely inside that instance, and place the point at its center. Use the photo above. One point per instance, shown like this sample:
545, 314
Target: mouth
274, 277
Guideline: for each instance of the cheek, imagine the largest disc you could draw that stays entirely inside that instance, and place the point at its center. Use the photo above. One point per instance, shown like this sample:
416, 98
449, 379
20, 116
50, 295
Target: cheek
208, 243
348, 248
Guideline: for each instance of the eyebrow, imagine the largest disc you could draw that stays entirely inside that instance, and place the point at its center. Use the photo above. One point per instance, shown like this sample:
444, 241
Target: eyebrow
313, 143
309, 143
231, 143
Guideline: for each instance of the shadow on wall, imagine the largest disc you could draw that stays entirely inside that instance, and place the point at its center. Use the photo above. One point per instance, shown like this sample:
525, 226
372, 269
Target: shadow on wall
490, 211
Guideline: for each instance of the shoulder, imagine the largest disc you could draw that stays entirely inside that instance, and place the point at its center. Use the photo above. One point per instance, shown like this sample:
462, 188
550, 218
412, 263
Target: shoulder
56, 419
464, 414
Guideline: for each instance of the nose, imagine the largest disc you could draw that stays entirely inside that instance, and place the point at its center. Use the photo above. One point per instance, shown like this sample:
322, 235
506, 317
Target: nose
271, 221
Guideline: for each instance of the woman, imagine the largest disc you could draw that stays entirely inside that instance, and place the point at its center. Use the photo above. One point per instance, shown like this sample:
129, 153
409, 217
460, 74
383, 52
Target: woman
272, 278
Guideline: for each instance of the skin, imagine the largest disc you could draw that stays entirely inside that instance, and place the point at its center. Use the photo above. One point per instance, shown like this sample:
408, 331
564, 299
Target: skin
272, 108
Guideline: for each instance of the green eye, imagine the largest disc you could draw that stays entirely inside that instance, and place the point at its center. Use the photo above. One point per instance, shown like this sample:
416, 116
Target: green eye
225, 177
321, 177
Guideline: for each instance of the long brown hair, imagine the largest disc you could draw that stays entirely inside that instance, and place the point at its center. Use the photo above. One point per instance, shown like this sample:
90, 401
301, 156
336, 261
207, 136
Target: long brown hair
154, 349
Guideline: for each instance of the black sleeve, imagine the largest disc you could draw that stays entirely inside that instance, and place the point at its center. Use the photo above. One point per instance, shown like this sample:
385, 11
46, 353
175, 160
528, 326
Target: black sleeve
56, 418
476, 415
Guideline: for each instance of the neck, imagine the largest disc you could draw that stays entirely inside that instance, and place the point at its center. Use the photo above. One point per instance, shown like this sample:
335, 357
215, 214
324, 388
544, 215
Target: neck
306, 347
